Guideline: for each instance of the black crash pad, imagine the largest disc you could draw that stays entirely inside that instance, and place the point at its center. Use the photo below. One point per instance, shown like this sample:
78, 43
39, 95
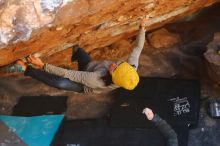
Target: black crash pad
176, 101
40, 105
99, 133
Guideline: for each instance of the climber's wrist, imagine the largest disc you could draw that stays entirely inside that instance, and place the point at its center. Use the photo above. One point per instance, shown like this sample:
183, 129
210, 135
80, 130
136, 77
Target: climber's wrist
143, 28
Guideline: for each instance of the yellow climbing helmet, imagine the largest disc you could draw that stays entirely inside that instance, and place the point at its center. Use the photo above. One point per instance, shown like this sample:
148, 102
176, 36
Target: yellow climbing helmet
125, 76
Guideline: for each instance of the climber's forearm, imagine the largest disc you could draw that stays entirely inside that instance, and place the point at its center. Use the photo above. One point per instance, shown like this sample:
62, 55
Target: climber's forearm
140, 38
134, 57
166, 130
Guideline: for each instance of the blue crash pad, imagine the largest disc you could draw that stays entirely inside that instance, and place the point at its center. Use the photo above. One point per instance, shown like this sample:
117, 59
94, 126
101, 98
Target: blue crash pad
34, 131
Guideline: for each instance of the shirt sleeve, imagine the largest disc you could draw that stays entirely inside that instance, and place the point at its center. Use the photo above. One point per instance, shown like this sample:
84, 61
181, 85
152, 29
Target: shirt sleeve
90, 79
134, 56
166, 130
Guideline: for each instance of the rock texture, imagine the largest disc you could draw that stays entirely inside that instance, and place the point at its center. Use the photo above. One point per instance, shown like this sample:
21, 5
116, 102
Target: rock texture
49, 27
213, 58
163, 39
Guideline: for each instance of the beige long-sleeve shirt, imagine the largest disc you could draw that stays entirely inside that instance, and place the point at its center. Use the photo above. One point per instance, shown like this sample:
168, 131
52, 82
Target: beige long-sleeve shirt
92, 77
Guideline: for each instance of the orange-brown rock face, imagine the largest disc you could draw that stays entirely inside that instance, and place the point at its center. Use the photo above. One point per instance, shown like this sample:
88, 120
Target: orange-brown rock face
49, 27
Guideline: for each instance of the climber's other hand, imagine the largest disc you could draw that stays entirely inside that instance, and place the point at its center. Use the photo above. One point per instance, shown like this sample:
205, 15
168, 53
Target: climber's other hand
149, 113
35, 61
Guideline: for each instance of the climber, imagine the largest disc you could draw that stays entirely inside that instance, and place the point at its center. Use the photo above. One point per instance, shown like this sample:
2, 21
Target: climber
163, 127
92, 76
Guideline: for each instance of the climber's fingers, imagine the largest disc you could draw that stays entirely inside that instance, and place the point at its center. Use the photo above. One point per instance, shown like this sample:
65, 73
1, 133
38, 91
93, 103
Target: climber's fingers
149, 113
144, 21
29, 59
34, 60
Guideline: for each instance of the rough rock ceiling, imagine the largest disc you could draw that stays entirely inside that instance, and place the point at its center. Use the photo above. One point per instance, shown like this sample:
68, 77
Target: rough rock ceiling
50, 27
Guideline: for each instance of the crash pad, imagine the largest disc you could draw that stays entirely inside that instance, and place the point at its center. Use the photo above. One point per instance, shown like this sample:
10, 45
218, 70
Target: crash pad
97, 132
175, 100
40, 105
